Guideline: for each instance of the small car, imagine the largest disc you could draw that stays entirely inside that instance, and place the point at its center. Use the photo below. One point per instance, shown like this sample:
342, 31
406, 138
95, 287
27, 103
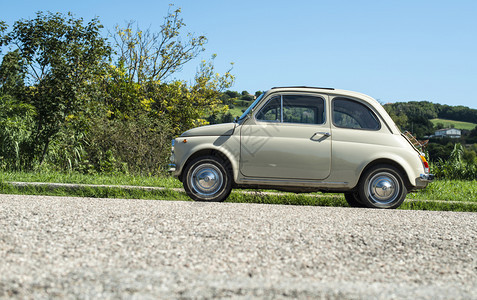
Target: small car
301, 140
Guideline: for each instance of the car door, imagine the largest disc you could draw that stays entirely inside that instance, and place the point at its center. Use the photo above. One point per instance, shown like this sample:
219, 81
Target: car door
288, 137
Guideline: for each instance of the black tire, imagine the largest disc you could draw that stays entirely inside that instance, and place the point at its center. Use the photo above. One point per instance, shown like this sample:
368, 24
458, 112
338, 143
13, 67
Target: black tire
353, 199
382, 186
207, 178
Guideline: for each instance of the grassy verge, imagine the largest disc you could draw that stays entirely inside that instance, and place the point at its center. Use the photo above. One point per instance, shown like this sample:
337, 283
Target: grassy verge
104, 179
448, 190
93, 192
440, 195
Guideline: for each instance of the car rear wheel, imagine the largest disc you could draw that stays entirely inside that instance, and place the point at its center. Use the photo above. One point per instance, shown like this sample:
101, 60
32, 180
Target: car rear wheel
353, 199
207, 179
382, 186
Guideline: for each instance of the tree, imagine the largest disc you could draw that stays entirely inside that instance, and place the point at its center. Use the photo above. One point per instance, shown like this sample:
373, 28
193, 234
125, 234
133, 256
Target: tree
473, 132
62, 69
187, 106
146, 59
62, 56
232, 94
12, 73
413, 116
154, 56
3, 27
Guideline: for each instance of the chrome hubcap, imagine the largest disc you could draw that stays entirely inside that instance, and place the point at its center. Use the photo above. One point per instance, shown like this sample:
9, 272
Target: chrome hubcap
206, 179
383, 188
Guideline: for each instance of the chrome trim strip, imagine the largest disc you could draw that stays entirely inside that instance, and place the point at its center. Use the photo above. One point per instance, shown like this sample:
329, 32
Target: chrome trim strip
245, 180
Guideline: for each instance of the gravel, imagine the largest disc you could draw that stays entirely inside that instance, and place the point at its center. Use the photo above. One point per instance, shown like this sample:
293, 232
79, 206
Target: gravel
62, 247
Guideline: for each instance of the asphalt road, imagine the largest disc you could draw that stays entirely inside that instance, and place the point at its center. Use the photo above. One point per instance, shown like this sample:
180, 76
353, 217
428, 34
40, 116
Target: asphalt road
54, 247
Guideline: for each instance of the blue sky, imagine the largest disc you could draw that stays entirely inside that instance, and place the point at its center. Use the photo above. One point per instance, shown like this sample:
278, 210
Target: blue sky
391, 50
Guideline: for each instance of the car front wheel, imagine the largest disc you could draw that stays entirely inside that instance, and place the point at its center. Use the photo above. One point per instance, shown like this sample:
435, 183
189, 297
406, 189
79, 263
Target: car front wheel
207, 179
382, 186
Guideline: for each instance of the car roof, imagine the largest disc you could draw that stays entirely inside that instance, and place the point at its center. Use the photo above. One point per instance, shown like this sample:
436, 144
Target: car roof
326, 90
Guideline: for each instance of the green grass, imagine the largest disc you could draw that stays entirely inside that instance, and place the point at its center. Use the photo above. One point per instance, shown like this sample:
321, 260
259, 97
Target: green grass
448, 190
455, 195
104, 179
457, 124
93, 192
237, 111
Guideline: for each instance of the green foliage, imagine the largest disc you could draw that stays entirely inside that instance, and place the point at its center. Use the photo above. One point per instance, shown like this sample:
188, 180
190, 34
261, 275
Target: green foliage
218, 118
146, 59
442, 123
459, 113
455, 167
413, 116
69, 102
416, 116
16, 122
440, 195
61, 57
94, 179
94, 192
3, 27
448, 190
140, 146
186, 106
123, 97
232, 94
154, 56
12, 74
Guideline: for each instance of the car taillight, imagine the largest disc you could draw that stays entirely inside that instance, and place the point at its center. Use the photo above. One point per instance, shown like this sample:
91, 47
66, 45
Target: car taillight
425, 164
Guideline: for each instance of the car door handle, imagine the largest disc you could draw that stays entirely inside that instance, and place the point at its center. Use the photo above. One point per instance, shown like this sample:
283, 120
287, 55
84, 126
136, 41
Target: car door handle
324, 135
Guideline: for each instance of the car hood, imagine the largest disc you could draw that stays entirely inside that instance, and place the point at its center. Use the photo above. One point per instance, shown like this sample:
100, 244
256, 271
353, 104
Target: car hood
211, 130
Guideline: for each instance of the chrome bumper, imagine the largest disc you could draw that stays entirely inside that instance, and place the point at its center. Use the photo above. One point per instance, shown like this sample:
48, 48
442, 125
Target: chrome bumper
172, 168
427, 177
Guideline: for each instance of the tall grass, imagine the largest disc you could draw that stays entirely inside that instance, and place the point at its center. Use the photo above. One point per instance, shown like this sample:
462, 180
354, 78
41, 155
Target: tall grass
16, 120
455, 167
448, 190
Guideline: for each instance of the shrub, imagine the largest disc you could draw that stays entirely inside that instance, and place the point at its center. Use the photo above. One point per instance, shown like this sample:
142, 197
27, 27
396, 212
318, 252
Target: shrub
139, 146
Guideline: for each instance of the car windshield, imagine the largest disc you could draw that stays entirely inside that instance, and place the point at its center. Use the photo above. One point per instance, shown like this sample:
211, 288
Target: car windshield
249, 109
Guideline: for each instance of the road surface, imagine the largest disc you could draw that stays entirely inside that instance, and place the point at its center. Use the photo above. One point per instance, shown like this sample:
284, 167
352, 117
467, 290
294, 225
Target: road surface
65, 247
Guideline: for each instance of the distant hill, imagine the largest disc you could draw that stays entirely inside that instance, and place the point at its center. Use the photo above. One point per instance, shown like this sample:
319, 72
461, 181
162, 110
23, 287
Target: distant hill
455, 124
416, 116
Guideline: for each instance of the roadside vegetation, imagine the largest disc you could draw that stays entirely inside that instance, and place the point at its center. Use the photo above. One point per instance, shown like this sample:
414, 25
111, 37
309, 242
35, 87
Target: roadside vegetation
454, 195
78, 105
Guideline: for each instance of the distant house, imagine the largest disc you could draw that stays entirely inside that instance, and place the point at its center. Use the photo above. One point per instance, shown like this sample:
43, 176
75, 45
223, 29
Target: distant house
448, 132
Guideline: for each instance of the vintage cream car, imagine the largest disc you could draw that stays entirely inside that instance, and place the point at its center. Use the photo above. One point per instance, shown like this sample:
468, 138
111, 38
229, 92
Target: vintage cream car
303, 139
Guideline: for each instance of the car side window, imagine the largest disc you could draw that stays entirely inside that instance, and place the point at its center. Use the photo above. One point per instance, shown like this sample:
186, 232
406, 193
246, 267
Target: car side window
271, 112
303, 109
348, 113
